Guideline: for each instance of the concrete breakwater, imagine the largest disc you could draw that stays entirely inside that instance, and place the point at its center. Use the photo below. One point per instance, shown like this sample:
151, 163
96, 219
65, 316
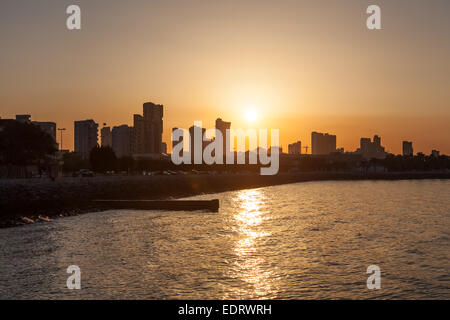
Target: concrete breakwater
27, 200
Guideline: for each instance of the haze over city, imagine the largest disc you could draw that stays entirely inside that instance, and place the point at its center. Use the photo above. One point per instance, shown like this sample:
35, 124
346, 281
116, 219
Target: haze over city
290, 65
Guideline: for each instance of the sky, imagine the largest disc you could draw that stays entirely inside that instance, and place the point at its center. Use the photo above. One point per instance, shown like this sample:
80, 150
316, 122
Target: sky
302, 66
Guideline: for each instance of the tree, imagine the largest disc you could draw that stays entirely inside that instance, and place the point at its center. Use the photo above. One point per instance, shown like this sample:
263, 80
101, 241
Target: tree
103, 159
73, 162
24, 143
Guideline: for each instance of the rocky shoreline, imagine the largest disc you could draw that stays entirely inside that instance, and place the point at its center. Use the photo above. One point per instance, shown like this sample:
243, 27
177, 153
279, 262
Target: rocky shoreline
25, 201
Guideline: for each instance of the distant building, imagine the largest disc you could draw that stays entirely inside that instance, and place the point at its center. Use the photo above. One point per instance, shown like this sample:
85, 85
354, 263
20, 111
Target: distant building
138, 145
295, 148
322, 143
106, 137
23, 118
148, 129
4, 122
121, 141
223, 126
435, 153
86, 136
370, 150
407, 148
153, 118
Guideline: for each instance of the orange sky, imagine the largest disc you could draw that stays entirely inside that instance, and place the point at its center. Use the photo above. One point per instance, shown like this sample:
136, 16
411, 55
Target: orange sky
303, 65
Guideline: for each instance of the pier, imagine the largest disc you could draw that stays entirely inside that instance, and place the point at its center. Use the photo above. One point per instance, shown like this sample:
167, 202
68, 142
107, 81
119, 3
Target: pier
167, 205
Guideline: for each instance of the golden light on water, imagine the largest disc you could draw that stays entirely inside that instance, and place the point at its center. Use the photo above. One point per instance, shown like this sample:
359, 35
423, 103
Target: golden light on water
250, 265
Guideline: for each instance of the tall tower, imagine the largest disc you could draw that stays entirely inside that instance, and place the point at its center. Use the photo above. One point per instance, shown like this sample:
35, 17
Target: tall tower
106, 137
153, 127
223, 126
86, 136
407, 148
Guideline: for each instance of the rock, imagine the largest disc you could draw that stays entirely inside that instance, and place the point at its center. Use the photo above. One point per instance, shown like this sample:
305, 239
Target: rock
46, 219
27, 220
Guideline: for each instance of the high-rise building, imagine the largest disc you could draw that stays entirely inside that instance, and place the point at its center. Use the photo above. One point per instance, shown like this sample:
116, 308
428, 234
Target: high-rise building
46, 126
407, 148
295, 148
153, 119
223, 126
148, 129
106, 137
138, 134
121, 141
370, 150
322, 143
86, 136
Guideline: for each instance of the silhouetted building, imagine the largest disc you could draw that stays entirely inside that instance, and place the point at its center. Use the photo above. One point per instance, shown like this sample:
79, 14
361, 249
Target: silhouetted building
153, 118
295, 148
23, 118
407, 148
148, 129
435, 153
4, 122
370, 150
121, 141
46, 126
106, 137
322, 143
138, 145
223, 126
193, 144
86, 136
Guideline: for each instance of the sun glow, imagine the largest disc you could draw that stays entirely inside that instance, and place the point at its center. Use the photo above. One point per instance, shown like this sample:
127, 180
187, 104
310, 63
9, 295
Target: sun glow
251, 115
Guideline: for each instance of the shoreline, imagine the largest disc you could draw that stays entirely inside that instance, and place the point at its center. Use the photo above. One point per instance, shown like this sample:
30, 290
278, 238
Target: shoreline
26, 201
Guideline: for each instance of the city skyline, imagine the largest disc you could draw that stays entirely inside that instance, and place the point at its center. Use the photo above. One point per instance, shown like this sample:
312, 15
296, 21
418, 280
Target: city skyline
140, 139
199, 66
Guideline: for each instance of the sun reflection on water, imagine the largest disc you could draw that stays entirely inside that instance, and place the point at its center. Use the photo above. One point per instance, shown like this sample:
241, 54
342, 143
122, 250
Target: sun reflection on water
251, 266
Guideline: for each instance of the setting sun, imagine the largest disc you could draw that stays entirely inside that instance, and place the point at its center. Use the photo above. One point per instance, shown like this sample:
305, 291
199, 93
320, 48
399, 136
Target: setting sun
251, 115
